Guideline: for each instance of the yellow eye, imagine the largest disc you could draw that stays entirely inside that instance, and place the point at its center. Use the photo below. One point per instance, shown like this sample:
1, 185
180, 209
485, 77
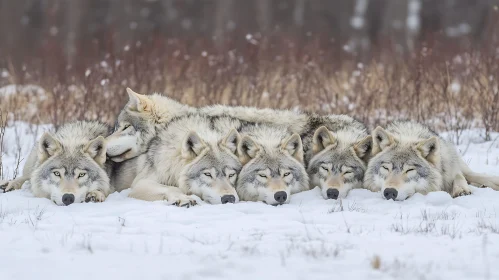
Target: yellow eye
231, 175
81, 175
57, 173
347, 172
126, 126
207, 174
287, 174
263, 176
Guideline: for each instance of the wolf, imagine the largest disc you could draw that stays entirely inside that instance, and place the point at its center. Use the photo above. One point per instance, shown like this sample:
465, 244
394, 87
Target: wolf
193, 154
273, 165
337, 149
410, 158
68, 166
138, 122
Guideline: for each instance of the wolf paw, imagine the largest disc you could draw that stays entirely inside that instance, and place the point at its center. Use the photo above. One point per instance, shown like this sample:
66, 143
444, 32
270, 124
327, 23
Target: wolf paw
3, 185
182, 201
461, 192
10, 186
95, 196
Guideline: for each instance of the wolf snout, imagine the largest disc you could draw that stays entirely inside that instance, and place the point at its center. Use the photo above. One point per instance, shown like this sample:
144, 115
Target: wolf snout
68, 198
228, 199
390, 193
332, 193
281, 197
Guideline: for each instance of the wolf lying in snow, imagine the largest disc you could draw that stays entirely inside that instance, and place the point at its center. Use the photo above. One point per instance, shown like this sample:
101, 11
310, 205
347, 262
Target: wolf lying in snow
138, 122
194, 154
68, 166
337, 154
143, 114
409, 158
273, 165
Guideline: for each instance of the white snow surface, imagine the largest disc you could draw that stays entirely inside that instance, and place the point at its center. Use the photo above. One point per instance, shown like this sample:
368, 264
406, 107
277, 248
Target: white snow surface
13, 89
363, 237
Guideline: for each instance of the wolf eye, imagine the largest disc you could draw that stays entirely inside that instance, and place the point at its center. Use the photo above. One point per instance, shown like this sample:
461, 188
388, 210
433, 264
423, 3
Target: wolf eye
231, 175
81, 175
207, 174
287, 174
411, 169
386, 168
325, 168
57, 173
347, 172
126, 126
263, 176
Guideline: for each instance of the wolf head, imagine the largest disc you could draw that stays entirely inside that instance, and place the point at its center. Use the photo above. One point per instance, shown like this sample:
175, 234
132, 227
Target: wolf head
401, 167
338, 162
68, 172
212, 168
271, 173
134, 129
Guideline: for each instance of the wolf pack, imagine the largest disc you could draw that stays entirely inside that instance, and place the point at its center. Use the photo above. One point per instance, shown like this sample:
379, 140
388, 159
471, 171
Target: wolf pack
163, 150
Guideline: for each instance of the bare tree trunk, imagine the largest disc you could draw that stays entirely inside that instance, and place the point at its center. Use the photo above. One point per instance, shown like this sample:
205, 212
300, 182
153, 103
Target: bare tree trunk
413, 23
360, 37
395, 23
223, 12
73, 19
264, 15
299, 13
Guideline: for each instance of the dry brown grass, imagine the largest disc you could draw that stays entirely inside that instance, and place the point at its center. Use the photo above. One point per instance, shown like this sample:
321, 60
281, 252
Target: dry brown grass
3, 125
445, 87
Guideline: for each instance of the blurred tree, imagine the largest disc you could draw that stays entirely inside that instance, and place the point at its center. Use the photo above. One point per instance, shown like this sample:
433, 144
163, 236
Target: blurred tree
85, 26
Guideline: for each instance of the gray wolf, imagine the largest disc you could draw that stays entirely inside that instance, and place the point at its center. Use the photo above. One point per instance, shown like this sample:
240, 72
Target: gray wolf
193, 154
68, 166
137, 122
273, 164
144, 114
410, 158
337, 149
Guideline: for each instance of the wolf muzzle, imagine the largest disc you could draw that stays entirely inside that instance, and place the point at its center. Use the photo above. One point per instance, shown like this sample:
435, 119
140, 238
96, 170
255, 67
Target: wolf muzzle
332, 193
390, 193
228, 199
68, 199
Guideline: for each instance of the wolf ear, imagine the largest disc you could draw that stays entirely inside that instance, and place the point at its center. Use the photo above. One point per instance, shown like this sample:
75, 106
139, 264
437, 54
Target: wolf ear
247, 149
231, 141
429, 149
294, 147
138, 102
322, 139
381, 139
193, 145
363, 147
47, 146
97, 150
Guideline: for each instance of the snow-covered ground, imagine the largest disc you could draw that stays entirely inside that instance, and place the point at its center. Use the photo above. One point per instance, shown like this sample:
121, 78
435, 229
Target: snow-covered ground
12, 89
363, 237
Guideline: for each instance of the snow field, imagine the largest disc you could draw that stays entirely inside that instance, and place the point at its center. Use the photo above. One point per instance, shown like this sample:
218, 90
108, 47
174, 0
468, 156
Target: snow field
362, 237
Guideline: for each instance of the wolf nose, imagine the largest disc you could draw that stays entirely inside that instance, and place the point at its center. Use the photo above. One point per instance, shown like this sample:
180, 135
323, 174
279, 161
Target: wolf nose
390, 193
280, 197
68, 198
332, 193
228, 199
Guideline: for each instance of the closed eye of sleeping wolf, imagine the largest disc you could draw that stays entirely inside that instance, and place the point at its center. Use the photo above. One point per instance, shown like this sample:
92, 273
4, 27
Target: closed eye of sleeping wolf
409, 158
189, 156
